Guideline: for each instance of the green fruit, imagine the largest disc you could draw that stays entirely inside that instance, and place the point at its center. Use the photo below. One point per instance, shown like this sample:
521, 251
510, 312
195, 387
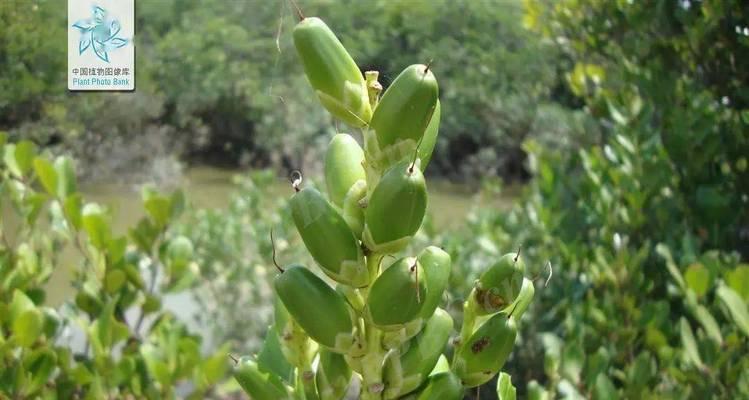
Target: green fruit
346, 179
328, 238
498, 286
430, 138
486, 351
332, 72
442, 386
333, 376
352, 211
406, 108
397, 296
406, 372
396, 209
257, 382
316, 307
524, 298
343, 166
436, 263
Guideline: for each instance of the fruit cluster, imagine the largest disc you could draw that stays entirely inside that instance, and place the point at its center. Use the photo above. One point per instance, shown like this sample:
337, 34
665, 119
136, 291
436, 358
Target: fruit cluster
382, 319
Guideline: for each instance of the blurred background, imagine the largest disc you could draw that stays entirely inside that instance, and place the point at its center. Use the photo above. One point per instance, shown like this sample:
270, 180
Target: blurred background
608, 139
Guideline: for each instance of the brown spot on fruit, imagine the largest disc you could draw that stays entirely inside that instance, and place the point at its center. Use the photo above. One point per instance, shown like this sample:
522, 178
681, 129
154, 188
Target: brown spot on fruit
480, 344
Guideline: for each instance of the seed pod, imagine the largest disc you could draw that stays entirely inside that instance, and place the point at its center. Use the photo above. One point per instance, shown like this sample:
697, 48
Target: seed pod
443, 386
430, 138
259, 383
316, 307
396, 209
395, 338
406, 108
436, 263
346, 179
524, 298
498, 286
406, 372
328, 238
352, 210
396, 297
332, 72
486, 351
333, 376
343, 166
297, 346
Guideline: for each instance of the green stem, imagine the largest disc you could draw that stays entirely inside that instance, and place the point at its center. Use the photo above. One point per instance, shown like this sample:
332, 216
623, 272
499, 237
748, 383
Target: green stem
305, 375
466, 329
372, 385
371, 363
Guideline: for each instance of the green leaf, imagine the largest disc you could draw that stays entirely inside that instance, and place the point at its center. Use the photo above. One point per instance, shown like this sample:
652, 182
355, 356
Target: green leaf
47, 175
708, 323
537, 392
736, 307
27, 327
95, 224
213, 368
158, 207
665, 252
144, 234
41, 364
117, 249
271, 356
505, 389
573, 359
72, 208
604, 389
698, 279
66, 179
19, 304
114, 280
689, 343
19, 157
738, 280
35, 203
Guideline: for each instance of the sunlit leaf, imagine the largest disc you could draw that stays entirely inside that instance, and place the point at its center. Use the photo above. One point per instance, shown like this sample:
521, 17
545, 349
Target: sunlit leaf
698, 279
27, 327
47, 175
505, 389
66, 178
738, 280
736, 308
604, 389
689, 343
708, 323
94, 221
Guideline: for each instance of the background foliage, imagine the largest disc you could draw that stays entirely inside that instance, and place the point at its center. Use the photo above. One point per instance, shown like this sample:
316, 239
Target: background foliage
219, 82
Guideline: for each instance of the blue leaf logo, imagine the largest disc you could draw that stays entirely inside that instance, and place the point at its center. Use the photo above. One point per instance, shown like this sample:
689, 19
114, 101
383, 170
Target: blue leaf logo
100, 34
